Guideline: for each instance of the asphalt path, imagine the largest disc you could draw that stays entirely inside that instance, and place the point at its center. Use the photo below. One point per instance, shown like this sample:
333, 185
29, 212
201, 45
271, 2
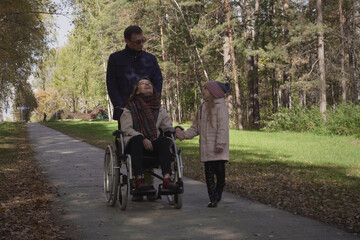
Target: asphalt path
75, 168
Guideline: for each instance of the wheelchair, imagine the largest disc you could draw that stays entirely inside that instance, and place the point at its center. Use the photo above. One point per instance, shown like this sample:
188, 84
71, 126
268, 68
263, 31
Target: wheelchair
119, 180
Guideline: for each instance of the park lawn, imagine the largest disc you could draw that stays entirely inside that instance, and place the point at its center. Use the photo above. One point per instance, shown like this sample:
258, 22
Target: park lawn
303, 173
9, 134
25, 196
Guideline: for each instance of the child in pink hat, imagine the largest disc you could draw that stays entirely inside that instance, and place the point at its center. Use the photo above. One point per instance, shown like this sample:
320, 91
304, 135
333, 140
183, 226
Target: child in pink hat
212, 125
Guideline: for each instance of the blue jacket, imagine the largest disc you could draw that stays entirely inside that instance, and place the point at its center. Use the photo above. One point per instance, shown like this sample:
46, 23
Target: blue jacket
125, 68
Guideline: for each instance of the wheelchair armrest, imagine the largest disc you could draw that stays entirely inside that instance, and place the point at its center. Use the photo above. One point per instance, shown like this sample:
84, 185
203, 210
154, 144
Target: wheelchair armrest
169, 133
117, 133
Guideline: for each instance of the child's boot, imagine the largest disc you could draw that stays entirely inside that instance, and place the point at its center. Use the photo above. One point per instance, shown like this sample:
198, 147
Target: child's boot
211, 187
219, 190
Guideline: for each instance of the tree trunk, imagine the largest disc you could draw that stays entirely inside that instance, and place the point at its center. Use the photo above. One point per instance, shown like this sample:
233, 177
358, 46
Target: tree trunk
1, 111
352, 57
342, 53
236, 82
286, 76
252, 67
178, 93
321, 57
166, 86
227, 73
108, 102
274, 91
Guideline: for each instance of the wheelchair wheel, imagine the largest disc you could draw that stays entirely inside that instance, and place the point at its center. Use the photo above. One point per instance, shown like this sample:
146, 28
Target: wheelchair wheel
124, 189
176, 199
111, 176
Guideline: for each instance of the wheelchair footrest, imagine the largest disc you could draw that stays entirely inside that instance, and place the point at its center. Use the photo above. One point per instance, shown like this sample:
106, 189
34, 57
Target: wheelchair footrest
136, 192
165, 191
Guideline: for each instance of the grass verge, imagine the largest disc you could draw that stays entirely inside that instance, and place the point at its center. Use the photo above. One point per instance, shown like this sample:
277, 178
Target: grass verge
306, 174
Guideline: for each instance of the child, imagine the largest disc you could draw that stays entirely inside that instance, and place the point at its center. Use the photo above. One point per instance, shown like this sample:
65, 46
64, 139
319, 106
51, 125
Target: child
212, 125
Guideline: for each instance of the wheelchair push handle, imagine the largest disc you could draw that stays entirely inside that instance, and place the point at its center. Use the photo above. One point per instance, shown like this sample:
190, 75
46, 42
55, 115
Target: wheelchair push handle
169, 133
117, 114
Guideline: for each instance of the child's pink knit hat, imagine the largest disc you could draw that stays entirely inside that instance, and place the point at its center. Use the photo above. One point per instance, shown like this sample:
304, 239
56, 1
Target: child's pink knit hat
217, 89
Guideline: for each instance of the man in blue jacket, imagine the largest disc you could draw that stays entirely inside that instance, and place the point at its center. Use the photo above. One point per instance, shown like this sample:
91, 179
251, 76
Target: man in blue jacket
127, 66
124, 69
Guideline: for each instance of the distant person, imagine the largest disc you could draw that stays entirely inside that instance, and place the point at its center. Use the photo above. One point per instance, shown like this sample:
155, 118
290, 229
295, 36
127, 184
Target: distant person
125, 68
44, 118
212, 125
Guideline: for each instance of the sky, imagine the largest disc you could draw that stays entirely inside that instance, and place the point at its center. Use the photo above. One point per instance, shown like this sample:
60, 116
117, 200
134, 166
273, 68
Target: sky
64, 26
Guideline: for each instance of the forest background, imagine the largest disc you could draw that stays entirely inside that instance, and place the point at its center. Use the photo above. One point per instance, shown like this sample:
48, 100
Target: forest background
293, 65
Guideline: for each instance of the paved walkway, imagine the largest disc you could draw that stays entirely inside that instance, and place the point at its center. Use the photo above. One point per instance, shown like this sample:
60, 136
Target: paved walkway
76, 169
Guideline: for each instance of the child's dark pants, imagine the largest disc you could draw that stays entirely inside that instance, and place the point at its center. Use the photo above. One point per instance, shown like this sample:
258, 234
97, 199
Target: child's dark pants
213, 168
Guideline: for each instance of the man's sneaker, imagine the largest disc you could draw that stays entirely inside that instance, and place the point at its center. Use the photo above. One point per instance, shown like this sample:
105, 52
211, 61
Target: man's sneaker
168, 184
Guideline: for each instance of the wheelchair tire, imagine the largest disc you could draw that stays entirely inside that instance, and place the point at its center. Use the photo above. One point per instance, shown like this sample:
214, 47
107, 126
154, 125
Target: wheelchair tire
123, 197
124, 190
111, 176
178, 199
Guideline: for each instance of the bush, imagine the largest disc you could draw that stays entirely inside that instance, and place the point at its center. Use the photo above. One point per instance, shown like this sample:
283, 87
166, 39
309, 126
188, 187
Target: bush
298, 119
344, 120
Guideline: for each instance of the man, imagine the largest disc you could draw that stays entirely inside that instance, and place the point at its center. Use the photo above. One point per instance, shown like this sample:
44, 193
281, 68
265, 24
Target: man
127, 66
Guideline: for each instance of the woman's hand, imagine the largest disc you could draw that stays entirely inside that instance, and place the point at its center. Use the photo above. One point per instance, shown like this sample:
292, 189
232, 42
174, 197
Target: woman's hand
147, 144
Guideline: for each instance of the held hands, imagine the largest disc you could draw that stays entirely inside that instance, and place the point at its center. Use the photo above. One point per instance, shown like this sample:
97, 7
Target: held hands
147, 144
179, 134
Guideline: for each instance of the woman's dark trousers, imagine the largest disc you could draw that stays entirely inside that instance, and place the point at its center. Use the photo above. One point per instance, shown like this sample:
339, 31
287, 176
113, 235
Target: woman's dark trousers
213, 168
161, 151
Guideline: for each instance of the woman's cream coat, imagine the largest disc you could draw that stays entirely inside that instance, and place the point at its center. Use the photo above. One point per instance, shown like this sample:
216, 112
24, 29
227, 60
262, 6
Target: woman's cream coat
163, 122
212, 137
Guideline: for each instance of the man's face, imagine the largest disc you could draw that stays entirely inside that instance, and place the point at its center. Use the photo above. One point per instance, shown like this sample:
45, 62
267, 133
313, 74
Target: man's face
136, 42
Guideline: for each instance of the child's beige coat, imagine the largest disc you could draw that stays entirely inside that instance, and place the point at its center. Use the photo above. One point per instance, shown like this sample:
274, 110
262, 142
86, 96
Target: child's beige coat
212, 137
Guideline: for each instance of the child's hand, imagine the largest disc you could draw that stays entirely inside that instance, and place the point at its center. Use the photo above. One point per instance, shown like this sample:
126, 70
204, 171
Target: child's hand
180, 134
218, 150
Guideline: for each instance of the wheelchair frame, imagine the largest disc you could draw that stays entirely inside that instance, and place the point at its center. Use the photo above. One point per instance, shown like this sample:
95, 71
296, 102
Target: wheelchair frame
118, 184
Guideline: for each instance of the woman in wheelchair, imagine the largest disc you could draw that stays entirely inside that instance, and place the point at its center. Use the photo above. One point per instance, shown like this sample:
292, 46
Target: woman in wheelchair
141, 120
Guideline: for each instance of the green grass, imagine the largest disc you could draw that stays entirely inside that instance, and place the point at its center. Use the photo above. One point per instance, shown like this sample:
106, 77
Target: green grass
280, 147
9, 134
98, 133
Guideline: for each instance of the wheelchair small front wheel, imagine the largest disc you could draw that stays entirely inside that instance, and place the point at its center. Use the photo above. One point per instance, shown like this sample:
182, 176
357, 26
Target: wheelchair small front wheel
178, 199
111, 176
124, 187
123, 192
